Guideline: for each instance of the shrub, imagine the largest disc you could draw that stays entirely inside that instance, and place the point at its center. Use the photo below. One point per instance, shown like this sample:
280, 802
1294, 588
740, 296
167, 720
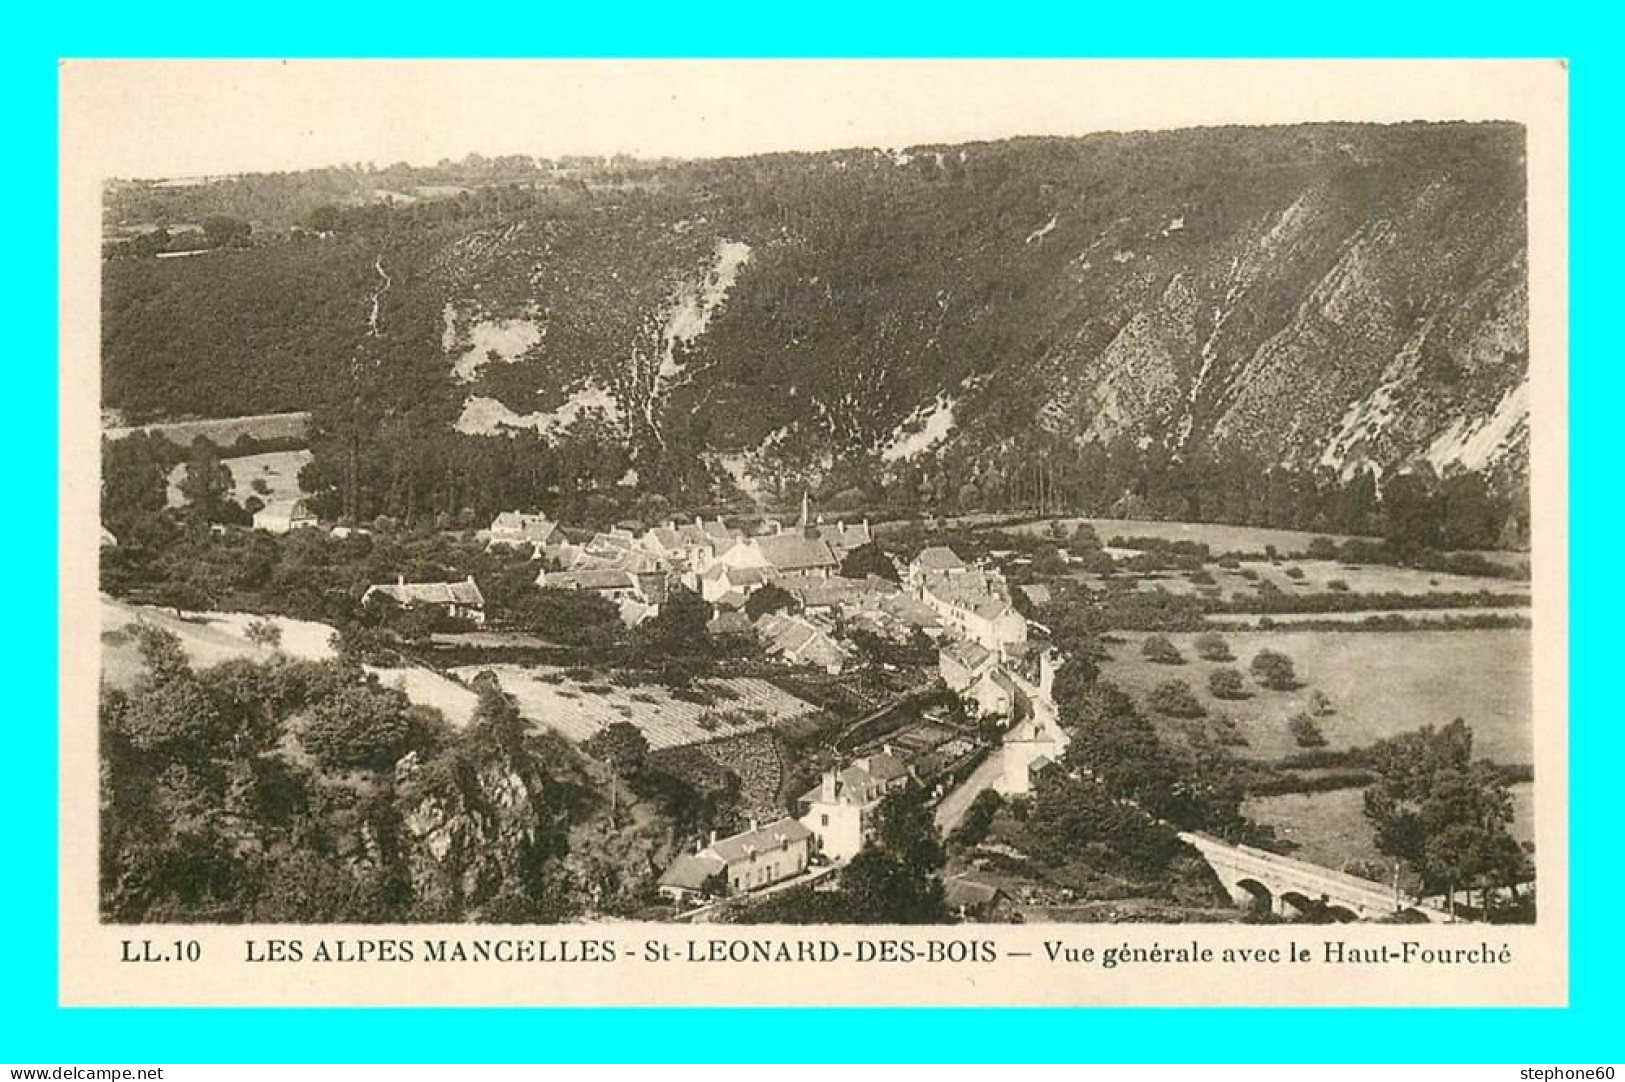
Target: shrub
1160, 649
1274, 670
1226, 684
1201, 577
363, 725
1294, 573
1210, 646
1305, 732
1225, 728
1176, 700
1339, 586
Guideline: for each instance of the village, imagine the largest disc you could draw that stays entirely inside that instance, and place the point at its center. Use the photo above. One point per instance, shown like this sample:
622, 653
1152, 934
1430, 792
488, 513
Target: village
955, 681
992, 659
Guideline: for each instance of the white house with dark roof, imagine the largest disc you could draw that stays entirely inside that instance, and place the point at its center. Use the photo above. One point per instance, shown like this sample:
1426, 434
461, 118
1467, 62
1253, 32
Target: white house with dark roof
741, 863
720, 580
840, 810
461, 600
975, 605
609, 582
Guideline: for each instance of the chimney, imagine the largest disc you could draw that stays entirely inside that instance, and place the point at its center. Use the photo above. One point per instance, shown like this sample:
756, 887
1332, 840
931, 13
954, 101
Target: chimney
753, 824
698, 522
885, 749
778, 528
671, 524
400, 579
713, 838
826, 793
471, 580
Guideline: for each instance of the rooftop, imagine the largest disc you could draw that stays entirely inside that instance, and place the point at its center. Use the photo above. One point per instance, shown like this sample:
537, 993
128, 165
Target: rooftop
765, 839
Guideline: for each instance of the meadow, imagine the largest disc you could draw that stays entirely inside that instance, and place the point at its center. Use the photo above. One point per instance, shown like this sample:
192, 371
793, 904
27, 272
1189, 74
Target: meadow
1378, 684
1331, 828
276, 471
1314, 577
210, 638
1220, 538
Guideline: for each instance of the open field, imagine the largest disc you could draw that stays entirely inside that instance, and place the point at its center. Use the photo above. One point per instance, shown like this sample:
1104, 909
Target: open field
1218, 537
223, 431
1354, 619
213, 637
580, 709
1331, 829
1317, 577
279, 470
1379, 684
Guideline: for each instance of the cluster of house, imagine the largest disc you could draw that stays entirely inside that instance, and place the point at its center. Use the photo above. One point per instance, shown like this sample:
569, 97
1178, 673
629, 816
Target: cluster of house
988, 660
838, 817
723, 564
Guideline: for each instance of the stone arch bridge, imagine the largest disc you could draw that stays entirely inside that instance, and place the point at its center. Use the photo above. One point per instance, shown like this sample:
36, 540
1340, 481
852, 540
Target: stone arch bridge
1269, 882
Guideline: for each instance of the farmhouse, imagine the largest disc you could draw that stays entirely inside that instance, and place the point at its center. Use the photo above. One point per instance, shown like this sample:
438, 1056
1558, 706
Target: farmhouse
460, 600
831, 593
740, 863
607, 582
840, 537
967, 897
281, 516
800, 642
518, 528
785, 552
720, 580
840, 810
936, 560
976, 605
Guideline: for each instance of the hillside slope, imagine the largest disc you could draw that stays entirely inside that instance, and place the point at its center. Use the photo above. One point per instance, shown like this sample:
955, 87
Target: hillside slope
1321, 296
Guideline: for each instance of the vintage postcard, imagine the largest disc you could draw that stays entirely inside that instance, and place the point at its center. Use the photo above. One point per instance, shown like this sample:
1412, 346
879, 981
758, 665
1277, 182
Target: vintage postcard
814, 533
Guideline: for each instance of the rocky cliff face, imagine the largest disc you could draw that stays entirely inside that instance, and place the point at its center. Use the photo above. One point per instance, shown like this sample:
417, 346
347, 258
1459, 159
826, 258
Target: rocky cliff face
476, 837
1331, 295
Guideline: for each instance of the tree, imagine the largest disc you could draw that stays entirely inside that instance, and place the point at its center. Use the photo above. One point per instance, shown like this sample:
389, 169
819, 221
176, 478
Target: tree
1274, 670
868, 559
182, 595
1443, 814
222, 230
1160, 649
1175, 700
1226, 683
894, 879
624, 749
973, 829
621, 745
769, 598
207, 484
168, 714
1305, 733
362, 725
134, 478
264, 632
1210, 646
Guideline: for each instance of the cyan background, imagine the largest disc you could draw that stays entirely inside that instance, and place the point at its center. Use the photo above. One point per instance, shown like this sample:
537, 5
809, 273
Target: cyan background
32, 1029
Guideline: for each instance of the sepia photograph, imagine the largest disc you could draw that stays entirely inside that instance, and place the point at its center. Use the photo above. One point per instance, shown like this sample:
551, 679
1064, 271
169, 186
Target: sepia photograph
837, 513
